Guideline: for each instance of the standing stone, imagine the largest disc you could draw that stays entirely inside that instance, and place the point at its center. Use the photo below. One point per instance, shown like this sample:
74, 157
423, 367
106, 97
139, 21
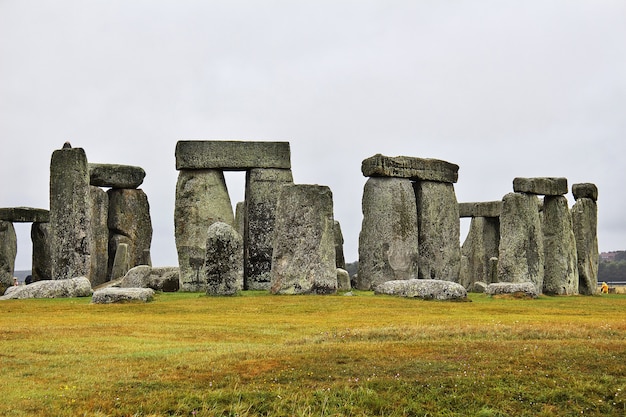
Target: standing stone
340, 260
100, 234
223, 264
303, 260
8, 252
480, 246
559, 243
70, 214
201, 200
121, 262
521, 251
585, 226
240, 218
42, 255
262, 190
343, 280
439, 231
388, 242
129, 215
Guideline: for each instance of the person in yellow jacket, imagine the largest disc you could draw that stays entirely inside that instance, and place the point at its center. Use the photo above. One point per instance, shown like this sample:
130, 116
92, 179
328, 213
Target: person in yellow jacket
605, 288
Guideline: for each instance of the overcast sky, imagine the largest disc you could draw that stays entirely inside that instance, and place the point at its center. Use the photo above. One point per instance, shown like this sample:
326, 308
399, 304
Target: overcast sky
504, 89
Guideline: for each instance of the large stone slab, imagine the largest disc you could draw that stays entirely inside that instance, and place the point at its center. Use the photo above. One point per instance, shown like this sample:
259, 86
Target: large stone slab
559, 243
60, 288
541, 185
481, 244
426, 289
223, 262
158, 278
410, 167
201, 200
122, 295
8, 252
100, 235
585, 190
439, 230
24, 215
527, 289
116, 176
388, 242
480, 209
42, 251
585, 226
70, 219
521, 253
262, 190
232, 155
303, 260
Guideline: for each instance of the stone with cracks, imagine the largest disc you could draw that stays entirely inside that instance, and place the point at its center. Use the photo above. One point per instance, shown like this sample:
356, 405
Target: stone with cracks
201, 200
419, 169
521, 253
61, 288
426, 289
559, 243
388, 242
116, 176
223, 262
585, 190
100, 233
585, 226
480, 246
122, 295
303, 260
42, 255
70, 203
527, 289
232, 155
439, 229
262, 191
24, 215
8, 252
541, 185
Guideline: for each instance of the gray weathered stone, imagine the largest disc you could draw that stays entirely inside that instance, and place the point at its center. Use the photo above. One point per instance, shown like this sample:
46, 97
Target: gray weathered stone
303, 260
164, 279
223, 263
480, 209
479, 287
521, 254
240, 218
262, 191
232, 155
129, 215
585, 226
493, 270
585, 190
559, 243
201, 200
388, 242
439, 229
480, 246
100, 235
410, 167
8, 252
116, 176
70, 225
136, 277
340, 260
528, 289
121, 261
61, 288
42, 255
24, 215
122, 295
343, 280
541, 185
427, 289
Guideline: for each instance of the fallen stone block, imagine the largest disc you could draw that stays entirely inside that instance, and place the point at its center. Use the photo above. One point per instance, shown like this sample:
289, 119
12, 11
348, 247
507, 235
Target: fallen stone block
116, 176
62, 288
165, 278
24, 215
122, 295
424, 169
426, 289
499, 288
232, 155
541, 185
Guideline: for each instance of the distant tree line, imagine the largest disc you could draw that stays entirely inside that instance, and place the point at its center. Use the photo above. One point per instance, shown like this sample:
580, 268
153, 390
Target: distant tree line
613, 271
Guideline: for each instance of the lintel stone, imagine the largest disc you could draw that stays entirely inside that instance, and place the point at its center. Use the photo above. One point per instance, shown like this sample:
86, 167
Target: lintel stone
424, 169
541, 185
232, 155
116, 176
481, 209
24, 215
585, 190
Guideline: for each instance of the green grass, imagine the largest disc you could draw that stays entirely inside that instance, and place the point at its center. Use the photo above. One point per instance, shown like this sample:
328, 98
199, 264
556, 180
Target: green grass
256, 354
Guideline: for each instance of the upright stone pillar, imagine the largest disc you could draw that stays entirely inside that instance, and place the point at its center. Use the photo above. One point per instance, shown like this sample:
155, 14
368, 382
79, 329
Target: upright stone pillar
585, 225
340, 260
480, 246
303, 259
561, 264
100, 234
439, 231
223, 264
70, 224
263, 186
388, 242
521, 254
8, 252
201, 200
42, 255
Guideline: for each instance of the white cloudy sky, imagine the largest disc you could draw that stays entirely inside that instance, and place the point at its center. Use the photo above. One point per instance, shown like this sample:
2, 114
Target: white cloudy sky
502, 88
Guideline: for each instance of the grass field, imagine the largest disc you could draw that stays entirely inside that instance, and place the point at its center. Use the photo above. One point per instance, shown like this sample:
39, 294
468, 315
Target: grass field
256, 354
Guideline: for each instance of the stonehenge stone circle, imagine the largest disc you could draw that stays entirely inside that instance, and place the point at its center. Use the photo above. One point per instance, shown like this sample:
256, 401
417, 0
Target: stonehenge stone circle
223, 262
585, 225
388, 242
303, 260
